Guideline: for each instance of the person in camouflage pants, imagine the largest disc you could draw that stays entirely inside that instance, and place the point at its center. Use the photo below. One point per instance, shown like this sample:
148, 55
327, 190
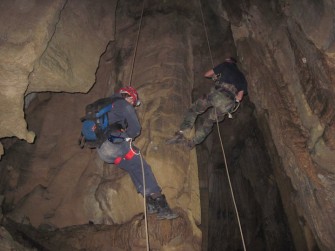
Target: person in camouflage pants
230, 86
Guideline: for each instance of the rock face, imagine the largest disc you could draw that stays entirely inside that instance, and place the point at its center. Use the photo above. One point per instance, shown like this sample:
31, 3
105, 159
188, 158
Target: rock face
72, 186
288, 55
286, 50
39, 52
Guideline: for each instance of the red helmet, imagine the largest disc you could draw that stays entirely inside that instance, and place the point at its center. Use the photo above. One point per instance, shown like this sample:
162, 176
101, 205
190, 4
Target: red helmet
131, 91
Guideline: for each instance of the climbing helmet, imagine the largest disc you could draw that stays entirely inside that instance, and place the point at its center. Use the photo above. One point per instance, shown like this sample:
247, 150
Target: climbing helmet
131, 91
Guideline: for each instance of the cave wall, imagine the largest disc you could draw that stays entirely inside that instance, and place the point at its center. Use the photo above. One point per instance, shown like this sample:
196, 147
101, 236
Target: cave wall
72, 186
48, 46
286, 49
263, 221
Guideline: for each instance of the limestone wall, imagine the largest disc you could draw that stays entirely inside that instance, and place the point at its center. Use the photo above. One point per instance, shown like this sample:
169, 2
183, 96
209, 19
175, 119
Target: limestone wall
287, 50
48, 46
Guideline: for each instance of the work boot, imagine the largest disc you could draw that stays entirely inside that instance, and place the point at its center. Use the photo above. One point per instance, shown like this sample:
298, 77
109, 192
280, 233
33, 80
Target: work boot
164, 211
151, 205
176, 139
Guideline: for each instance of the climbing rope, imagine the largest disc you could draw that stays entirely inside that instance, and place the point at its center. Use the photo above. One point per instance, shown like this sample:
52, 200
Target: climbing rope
230, 186
144, 194
145, 205
139, 153
217, 125
204, 24
135, 51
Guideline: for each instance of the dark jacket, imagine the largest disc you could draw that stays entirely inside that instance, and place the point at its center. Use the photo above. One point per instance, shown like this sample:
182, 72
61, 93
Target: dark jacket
229, 73
124, 114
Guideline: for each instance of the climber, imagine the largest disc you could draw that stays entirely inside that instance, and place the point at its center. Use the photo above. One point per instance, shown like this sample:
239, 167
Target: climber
119, 149
228, 90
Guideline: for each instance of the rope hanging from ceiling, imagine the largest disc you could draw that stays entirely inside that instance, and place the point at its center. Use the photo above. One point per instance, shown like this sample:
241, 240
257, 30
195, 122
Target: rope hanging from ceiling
222, 148
135, 51
139, 153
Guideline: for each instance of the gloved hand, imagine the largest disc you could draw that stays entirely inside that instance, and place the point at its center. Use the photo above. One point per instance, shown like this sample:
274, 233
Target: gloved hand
214, 77
234, 108
236, 105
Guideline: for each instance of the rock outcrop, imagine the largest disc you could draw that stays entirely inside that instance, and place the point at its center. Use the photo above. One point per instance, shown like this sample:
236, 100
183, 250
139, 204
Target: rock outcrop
287, 51
48, 46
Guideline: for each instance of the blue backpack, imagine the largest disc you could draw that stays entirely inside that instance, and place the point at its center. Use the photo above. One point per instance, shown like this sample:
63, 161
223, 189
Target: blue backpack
95, 127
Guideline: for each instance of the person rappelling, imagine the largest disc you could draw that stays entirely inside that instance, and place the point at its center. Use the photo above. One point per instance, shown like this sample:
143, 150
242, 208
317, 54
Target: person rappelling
112, 134
224, 98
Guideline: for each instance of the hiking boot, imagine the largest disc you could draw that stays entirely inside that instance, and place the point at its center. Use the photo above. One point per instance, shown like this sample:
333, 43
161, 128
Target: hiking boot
164, 211
151, 205
176, 139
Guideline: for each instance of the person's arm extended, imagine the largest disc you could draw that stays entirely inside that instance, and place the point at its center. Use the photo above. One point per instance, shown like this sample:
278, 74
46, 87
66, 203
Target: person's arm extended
209, 74
134, 127
239, 96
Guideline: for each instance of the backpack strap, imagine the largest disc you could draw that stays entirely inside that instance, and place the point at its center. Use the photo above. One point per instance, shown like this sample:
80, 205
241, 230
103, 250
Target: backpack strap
104, 110
100, 109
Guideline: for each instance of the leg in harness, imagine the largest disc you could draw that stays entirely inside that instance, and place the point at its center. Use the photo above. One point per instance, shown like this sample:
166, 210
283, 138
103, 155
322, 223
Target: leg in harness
222, 102
127, 157
197, 108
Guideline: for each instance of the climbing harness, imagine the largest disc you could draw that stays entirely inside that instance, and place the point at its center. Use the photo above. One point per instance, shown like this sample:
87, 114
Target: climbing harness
233, 109
217, 125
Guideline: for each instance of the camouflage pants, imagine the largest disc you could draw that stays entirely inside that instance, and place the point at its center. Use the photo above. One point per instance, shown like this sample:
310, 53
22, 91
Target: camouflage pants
220, 103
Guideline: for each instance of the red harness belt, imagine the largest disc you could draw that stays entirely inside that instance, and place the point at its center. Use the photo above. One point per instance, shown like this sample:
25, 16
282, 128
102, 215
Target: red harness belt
129, 155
